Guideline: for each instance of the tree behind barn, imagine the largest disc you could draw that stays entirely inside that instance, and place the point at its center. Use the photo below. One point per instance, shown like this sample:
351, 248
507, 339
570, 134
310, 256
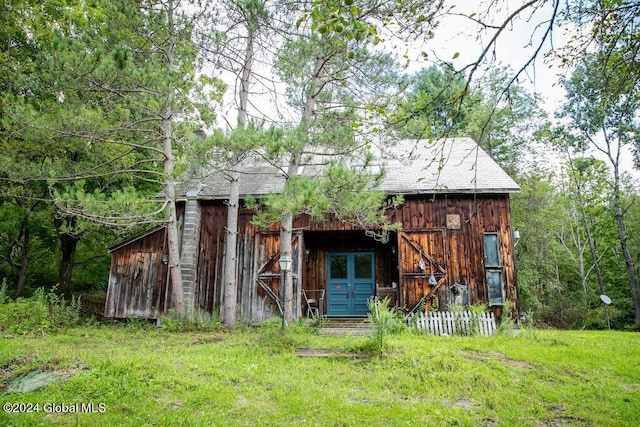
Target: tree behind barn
610, 126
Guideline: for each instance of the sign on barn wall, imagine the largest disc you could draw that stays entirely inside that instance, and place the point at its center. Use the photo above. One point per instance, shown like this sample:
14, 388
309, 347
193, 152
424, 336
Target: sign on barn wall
453, 222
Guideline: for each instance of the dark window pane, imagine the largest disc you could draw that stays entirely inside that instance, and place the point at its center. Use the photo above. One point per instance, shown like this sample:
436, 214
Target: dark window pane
494, 282
363, 266
491, 251
338, 265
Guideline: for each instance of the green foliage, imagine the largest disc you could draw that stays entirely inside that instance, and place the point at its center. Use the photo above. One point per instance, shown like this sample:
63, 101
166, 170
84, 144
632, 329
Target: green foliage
592, 111
607, 124
549, 283
44, 312
385, 321
339, 18
356, 20
609, 27
507, 323
499, 115
202, 322
346, 192
84, 89
3, 291
224, 149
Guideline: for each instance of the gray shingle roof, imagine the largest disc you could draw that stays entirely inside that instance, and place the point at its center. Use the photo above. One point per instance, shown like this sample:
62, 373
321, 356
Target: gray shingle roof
452, 165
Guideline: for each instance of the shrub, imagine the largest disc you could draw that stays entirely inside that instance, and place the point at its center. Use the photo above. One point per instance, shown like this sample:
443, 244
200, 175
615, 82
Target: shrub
384, 321
507, 324
43, 312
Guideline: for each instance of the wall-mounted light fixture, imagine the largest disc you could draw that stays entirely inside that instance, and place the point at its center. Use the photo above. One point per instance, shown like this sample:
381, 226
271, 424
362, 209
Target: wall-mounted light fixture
307, 253
393, 249
516, 237
165, 259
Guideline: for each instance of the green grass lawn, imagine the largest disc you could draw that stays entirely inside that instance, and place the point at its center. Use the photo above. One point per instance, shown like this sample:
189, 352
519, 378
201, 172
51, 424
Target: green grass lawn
143, 376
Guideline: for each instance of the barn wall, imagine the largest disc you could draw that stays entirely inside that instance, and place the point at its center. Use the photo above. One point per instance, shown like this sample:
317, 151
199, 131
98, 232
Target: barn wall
455, 252
138, 279
254, 250
463, 248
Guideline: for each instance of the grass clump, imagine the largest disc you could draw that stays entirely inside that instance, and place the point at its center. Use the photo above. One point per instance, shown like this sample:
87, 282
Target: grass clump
507, 324
201, 321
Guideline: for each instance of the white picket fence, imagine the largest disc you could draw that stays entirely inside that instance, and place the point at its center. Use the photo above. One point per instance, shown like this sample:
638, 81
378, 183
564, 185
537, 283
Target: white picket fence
454, 323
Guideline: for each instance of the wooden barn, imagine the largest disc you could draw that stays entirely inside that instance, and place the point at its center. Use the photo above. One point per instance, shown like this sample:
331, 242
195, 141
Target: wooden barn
454, 244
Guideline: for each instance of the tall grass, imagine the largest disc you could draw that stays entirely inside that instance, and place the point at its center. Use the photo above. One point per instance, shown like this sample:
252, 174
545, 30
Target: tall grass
384, 321
44, 312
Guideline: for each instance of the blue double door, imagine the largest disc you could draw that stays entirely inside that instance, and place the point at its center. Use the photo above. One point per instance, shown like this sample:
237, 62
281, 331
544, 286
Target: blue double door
350, 283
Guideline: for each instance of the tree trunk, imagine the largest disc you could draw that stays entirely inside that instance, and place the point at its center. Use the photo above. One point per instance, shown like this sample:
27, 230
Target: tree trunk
594, 253
631, 269
68, 245
173, 245
24, 236
173, 242
583, 277
587, 226
230, 289
65, 226
622, 235
286, 227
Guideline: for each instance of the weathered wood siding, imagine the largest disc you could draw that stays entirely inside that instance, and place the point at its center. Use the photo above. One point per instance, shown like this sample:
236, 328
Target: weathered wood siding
462, 252
445, 232
209, 283
138, 279
452, 250
422, 258
257, 272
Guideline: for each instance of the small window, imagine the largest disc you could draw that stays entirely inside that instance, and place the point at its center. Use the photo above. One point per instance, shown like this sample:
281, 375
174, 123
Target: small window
338, 266
494, 283
491, 250
363, 266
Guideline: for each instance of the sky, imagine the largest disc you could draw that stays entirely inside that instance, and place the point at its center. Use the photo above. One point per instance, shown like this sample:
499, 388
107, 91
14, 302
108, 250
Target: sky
458, 34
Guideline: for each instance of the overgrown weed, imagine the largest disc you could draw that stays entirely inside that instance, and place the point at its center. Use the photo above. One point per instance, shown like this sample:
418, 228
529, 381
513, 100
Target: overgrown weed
44, 312
200, 322
507, 324
384, 321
